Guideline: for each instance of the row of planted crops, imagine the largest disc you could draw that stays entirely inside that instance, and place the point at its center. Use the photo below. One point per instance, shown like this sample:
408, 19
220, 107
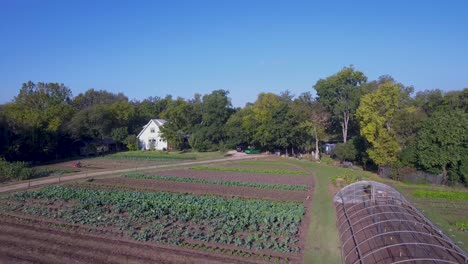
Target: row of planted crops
169, 218
238, 226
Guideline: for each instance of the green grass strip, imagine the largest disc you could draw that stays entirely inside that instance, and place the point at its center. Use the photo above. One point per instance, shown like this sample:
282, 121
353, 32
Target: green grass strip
285, 187
263, 163
441, 195
250, 170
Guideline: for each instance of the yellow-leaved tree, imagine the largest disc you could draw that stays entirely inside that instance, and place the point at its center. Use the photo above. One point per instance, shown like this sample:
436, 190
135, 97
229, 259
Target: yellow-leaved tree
375, 113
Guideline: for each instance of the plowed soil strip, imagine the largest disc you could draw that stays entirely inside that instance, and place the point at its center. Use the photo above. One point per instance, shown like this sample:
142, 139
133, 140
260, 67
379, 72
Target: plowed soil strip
24, 242
196, 188
238, 176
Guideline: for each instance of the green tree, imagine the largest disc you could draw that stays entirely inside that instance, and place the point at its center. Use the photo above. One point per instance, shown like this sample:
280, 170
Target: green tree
376, 113
236, 132
180, 121
442, 144
340, 94
120, 134
316, 124
215, 109
36, 119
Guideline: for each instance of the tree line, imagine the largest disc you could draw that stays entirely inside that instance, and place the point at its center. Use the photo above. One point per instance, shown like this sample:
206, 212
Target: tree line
378, 123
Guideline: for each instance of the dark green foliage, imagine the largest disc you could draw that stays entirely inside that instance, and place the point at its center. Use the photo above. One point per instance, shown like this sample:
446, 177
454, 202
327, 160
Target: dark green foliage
14, 170
340, 94
346, 151
210, 133
169, 218
132, 143
443, 144
120, 134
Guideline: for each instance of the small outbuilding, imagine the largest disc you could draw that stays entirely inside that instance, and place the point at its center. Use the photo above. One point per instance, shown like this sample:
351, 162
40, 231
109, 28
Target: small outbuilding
377, 224
150, 137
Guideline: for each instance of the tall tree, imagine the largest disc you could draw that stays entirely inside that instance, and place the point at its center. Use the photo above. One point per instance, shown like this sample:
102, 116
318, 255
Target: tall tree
376, 113
215, 110
179, 116
36, 118
442, 144
340, 94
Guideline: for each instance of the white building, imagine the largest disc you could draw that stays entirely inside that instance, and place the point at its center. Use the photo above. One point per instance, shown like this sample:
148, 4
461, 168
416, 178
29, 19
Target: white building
151, 135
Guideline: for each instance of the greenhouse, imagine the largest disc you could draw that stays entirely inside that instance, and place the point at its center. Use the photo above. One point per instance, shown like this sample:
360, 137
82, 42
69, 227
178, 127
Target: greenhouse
377, 224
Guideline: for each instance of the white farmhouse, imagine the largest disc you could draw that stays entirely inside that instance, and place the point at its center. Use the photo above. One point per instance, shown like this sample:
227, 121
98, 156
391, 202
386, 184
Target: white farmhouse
151, 136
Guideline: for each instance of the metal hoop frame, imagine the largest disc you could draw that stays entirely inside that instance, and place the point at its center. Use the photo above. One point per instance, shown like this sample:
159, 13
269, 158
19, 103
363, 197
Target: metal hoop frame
361, 199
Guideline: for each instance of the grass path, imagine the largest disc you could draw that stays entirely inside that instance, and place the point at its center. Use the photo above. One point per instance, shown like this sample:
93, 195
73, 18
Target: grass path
323, 244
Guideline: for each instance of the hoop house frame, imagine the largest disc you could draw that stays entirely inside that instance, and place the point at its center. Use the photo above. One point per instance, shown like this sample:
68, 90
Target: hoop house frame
377, 224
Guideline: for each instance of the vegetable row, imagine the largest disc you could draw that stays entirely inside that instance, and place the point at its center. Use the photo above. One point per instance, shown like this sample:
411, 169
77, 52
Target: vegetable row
286, 187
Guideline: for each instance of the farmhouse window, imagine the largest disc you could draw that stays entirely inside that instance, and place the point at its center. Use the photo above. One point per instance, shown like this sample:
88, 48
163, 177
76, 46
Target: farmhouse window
152, 130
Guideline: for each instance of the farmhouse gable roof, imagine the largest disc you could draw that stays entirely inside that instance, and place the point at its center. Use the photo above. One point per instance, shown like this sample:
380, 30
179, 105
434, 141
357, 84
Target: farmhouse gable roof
158, 122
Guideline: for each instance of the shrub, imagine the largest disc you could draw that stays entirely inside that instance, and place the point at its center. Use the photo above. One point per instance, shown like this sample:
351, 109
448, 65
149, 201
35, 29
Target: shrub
132, 142
18, 170
346, 151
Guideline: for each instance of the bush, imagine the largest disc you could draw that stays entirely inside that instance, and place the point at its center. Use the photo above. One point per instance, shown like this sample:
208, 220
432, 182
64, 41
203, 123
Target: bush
346, 151
15, 170
132, 142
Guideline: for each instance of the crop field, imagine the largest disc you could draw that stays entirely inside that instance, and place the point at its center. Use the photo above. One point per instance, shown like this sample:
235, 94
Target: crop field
127, 160
171, 216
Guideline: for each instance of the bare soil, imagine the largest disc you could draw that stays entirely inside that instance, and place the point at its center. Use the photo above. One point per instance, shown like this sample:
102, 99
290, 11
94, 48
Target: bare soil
23, 243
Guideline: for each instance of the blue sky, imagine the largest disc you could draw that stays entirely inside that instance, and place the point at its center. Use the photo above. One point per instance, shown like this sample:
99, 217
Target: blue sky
155, 48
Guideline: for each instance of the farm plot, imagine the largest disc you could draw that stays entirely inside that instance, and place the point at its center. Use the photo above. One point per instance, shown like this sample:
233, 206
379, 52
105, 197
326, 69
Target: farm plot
250, 170
268, 164
276, 187
215, 228
237, 176
129, 160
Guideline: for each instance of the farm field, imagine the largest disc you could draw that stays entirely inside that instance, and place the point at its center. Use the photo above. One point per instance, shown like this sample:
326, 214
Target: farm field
118, 161
225, 212
135, 159
171, 216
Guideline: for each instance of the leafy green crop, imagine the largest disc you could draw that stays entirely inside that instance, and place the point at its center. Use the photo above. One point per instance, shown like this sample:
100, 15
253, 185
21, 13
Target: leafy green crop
463, 226
449, 195
286, 187
169, 218
250, 170
263, 163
